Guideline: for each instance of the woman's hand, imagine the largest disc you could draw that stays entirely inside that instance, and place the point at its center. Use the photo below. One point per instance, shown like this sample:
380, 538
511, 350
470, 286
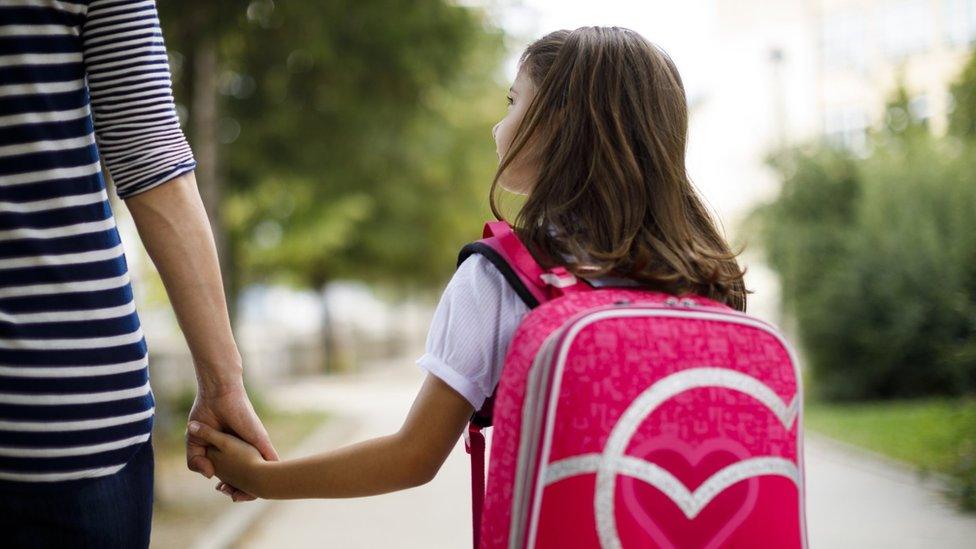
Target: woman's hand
235, 462
225, 408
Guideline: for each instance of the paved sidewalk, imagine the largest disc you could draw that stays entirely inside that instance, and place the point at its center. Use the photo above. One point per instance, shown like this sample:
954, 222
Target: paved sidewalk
433, 516
858, 501
853, 501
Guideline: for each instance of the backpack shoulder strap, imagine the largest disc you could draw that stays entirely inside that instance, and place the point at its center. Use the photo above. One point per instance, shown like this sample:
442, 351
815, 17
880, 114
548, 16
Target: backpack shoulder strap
533, 284
500, 246
519, 284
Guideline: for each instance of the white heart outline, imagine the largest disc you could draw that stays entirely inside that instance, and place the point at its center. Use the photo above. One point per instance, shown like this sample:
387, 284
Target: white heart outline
613, 461
566, 342
690, 502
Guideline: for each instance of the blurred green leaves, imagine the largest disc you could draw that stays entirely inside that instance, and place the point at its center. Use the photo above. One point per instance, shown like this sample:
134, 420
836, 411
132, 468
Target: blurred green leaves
877, 256
355, 135
962, 121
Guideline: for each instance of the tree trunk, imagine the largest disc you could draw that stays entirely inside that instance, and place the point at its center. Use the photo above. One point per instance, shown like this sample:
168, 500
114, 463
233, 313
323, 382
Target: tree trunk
204, 114
337, 356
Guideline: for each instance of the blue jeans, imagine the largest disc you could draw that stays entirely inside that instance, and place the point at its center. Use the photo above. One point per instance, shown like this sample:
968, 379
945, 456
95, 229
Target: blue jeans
108, 512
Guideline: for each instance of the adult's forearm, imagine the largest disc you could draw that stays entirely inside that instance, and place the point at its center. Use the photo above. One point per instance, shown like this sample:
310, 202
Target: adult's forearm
175, 230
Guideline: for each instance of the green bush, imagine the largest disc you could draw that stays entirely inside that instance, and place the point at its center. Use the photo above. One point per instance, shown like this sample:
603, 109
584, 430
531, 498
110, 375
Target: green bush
877, 258
963, 465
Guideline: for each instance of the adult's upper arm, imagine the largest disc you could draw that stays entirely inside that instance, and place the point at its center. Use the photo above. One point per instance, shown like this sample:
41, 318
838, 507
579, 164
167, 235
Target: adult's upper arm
136, 125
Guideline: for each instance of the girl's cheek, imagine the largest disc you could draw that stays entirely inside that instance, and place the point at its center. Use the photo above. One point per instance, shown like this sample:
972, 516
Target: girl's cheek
501, 138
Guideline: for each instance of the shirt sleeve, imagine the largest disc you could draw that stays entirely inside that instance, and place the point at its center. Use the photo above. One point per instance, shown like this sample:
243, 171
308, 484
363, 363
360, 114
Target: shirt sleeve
136, 126
472, 329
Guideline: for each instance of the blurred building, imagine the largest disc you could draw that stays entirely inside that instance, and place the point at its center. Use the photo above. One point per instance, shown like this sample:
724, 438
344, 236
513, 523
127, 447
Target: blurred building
793, 71
868, 47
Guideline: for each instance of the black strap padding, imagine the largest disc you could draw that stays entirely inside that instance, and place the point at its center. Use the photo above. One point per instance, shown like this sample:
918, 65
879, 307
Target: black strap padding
503, 267
483, 418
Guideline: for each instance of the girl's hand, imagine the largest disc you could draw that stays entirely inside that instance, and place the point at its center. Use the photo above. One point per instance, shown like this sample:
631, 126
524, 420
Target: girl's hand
225, 407
235, 462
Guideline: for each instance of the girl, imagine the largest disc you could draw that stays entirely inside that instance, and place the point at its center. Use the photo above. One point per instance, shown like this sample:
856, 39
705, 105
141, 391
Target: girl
595, 138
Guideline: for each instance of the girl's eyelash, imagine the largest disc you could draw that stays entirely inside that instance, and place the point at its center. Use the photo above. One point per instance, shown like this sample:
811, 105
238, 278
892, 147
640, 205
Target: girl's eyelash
510, 100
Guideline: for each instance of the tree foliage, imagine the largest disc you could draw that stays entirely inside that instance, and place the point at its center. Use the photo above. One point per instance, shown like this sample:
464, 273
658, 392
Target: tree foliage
877, 257
355, 136
962, 121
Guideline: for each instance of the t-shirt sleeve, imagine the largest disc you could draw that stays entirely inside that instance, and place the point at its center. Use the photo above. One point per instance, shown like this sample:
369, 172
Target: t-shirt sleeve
136, 126
471, 330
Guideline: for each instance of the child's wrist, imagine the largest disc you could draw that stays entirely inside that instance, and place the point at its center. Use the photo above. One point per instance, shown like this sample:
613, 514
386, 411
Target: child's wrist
265, 475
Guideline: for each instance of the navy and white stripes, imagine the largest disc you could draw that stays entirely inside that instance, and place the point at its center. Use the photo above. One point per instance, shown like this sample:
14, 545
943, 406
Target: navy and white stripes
75, 400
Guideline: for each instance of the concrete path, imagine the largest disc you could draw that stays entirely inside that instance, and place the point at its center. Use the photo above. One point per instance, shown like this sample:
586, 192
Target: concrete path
856, 500
434, 516
852, 500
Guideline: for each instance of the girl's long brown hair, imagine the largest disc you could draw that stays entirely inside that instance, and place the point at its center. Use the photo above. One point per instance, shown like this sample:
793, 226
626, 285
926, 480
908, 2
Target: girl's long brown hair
608, 129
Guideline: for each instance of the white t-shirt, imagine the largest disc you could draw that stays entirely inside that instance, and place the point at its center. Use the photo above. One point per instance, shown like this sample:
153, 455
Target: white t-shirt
471, 330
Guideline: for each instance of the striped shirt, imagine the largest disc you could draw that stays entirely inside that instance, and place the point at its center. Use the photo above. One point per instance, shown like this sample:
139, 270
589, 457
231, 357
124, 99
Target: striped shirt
75, 400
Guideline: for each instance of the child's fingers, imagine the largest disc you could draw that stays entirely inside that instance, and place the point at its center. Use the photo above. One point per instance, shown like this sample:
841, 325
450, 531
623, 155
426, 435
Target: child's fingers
196, 457
208, 434
236, 494
226, 489
233, 493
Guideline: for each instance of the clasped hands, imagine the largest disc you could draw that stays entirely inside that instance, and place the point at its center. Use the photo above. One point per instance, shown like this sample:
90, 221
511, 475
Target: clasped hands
226, 439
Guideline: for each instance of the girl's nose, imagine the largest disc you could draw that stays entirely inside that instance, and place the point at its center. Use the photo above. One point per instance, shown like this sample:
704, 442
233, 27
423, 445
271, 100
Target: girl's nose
494, 131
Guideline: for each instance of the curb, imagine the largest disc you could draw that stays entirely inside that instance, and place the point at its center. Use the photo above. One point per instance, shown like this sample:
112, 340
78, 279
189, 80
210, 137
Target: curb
230, 526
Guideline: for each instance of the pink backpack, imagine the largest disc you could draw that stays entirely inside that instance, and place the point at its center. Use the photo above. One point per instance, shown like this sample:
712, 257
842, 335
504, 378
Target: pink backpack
631, 419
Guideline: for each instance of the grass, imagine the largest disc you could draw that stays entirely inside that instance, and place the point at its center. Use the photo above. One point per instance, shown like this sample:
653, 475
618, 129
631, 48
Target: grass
923, 433
936, 435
